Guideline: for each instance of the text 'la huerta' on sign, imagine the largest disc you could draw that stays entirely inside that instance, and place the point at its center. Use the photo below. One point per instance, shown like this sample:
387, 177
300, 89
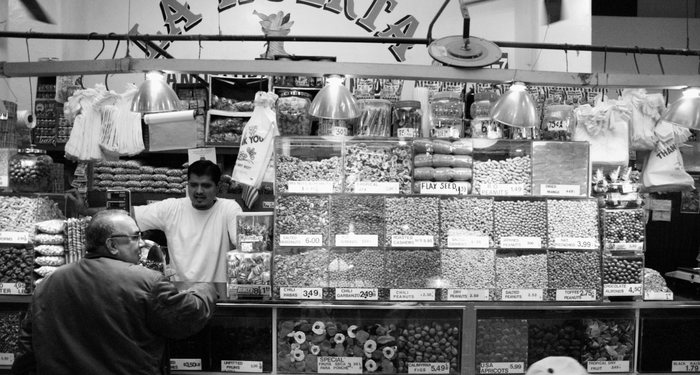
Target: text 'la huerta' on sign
177, 12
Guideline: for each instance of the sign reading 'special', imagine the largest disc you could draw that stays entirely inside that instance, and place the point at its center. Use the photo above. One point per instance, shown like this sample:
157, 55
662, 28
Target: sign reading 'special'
174, 12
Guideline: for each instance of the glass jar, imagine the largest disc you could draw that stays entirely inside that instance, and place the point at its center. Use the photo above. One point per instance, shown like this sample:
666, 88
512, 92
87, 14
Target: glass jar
329, 127
30, 171
446, 114
407, 119
375, 118
293, 113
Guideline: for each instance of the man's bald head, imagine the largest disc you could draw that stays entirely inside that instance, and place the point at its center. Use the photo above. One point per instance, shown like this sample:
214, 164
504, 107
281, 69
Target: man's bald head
101, 227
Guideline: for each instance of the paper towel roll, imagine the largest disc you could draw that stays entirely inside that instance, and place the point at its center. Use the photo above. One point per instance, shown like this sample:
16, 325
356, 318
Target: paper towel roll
421, 94
25, 118
161, 118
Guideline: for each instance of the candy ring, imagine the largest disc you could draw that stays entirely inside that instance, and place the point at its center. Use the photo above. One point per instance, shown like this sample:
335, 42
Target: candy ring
315, 349
295, 346
298, 355
319, 328
370, 365
370, 346
339, 338
300, 337
389, 352
351, 331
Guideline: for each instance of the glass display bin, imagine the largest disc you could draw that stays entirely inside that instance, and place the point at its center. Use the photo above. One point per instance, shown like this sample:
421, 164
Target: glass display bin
378, 166
300, 268
668, 341
357, 220
574, 275
623, 274
248, 275
241, 340
407, 119
10, 321
520, 223
573, 224
357, 268
308, 165
603, 341
412, 221
191, 353
30, 171
560, 168
521, 275
254, 231
446, 115
442, 166
368, 341
466, 222
302, 220
624, 229
467, 274
16, 269
412, 268
502, 167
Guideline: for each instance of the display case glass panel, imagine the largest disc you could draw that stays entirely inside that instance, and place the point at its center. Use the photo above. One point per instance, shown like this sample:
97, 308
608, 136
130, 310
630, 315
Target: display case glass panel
412, 221
241, 340
442, 166
574, 275
624, 229
378, 166
668, 341
357, 268
466, 222
502, 167
521, 275
560, 168
520, 223
302, 220
412, 268
308, 165
300, 267
357, 221
573, 224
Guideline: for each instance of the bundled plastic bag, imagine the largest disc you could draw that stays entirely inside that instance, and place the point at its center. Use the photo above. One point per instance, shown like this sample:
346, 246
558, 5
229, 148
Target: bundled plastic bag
606, 128
664, 170
646, 112
256, 148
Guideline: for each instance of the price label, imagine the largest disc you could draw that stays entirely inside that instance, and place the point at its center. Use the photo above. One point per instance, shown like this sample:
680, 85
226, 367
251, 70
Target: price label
444, 188
13, 288
241, 366
661, 215
407, 132
467, 242
310, 187
522, 295
14, 237
521, 243
468, 295
268, 204
576, 295
252, 290
339, 131
660, 205
4, 180
186, 364
633, 246
575, 243
303, 240
7, 359
502, 189
608, 366
339, 365
650, 295
356, 294
412, 241
428, 368
560, 190
369, 187
501, 368
301, 293
622, 290
412, 294
628, 188
685, 366
356, 240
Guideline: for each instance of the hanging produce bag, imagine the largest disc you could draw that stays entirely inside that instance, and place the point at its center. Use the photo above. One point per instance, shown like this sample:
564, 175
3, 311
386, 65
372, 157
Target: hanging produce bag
606, 128
256, 148
664, 170
646, 112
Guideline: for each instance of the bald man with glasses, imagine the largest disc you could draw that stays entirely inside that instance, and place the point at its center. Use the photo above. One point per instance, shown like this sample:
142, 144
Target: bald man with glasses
107, 314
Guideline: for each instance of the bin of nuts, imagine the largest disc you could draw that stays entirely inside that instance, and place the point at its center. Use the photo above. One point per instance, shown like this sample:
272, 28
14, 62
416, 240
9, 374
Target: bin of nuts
308, 165
522, 222
501, 340
385, 162
502, 167
624, 229
623, 268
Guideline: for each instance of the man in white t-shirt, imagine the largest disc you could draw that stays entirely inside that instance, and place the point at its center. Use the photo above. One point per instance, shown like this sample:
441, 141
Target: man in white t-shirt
200, 228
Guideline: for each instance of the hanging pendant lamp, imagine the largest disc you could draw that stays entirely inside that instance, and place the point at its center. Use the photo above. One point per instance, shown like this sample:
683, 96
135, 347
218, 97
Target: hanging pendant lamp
516, 108
334, 102
685, 112
155, 95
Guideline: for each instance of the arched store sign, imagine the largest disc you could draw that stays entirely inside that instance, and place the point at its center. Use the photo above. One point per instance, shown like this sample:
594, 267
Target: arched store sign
178, 15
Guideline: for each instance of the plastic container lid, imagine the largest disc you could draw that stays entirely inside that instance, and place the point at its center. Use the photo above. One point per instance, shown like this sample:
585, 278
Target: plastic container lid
407, 104
31, 150
451, 95
302, 94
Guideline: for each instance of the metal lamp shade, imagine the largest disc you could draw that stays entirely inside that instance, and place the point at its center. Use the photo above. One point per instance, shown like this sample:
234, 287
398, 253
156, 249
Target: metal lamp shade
334, 102
155, 96
515, 108
684, 112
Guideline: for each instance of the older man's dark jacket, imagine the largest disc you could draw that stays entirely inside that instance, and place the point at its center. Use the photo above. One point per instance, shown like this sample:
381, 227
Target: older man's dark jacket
105, 316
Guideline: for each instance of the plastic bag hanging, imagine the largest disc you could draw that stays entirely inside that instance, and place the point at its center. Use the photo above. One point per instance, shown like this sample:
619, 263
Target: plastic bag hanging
256, 146
664, 170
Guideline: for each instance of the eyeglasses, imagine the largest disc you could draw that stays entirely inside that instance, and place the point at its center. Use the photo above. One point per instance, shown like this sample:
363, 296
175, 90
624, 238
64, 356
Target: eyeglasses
131, 237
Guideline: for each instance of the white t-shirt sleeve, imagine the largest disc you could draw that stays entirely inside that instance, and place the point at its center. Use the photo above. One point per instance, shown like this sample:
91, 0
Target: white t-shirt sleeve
154, 215
232, 221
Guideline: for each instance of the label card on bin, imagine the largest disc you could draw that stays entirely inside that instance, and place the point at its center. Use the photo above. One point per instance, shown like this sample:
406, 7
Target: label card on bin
622, 290
428, 367
186, 364
458, 241
468, 295
356, 240
412, 294
651, 295
17, 288
412, 241
685, 366
370, 187
522, 295
339, 365
301, 240
356, 294
608, 366
501, 368
560, 190
7, 359
301, 293
310, 187
241, 366
576, 295
521, 242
